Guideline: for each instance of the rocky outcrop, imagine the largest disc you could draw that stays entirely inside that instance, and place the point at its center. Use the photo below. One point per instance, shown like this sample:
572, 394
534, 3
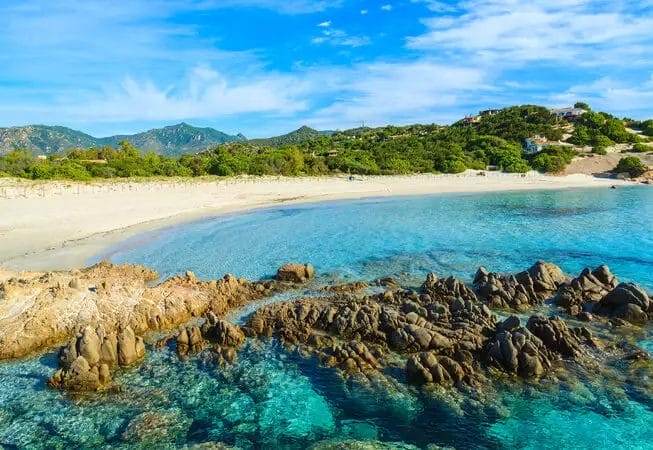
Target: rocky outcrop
589, 286
627, 301
224, 338
356, 334
519, 291
44, 309
529, 351
428, 367
295, 273
446, 290
86, 361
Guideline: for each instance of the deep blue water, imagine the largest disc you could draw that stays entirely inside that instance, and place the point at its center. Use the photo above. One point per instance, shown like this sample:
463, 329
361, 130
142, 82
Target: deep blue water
273, 399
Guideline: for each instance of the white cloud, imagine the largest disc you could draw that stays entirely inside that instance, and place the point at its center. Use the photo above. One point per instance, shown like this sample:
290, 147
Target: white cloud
338, 37
611, 95
514, 32
387, 7
392, 92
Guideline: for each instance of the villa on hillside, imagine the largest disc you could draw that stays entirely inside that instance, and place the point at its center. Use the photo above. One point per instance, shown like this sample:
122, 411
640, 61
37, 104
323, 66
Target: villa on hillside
535, 144
471, 120
489, 112
567, 113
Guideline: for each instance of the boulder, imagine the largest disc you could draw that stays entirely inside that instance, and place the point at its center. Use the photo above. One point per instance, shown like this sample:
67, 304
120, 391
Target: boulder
296, 273
86, 360
589, 286
519, 291
626, 301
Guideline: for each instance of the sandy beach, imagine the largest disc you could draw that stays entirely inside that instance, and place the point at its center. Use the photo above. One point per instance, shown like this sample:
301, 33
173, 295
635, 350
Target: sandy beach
60, 225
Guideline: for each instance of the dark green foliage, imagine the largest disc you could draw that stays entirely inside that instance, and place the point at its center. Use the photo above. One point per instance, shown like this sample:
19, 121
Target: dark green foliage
641, 148
553, 159
520, 122
632, 165
600, 130
497, 140
647, 127
298, 136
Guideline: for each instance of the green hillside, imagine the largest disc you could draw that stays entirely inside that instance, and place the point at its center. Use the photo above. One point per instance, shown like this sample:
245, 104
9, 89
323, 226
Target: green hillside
174, 140
298, 136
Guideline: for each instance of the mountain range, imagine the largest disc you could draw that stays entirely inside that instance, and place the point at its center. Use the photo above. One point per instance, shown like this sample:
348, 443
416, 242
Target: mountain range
172, 140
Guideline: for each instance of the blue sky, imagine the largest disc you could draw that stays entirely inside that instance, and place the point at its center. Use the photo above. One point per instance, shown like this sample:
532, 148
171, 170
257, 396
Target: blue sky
265, 67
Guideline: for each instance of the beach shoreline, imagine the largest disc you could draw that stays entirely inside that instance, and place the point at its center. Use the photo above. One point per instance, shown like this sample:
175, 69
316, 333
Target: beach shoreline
62, 225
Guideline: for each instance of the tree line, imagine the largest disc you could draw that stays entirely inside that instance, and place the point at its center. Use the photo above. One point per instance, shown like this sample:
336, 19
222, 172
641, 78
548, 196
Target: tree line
496, 141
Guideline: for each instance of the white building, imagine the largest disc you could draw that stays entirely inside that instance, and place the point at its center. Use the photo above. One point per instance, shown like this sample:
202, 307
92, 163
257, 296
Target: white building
567, 113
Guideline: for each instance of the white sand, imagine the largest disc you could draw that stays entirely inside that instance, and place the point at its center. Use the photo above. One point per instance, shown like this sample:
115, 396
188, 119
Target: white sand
60, 225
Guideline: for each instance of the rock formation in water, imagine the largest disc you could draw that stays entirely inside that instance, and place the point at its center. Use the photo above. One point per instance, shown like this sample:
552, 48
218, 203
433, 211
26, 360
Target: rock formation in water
86, 362
599, 292
224, 338
445, 333
519, 291
295, 273
41, 309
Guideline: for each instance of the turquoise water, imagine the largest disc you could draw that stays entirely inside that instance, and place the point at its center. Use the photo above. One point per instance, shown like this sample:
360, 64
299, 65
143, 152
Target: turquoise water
274, 399
450, 234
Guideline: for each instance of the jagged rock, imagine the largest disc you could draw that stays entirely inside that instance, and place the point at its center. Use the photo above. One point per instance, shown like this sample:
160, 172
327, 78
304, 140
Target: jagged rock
447, 290
223, 333
189, 340
428, 367
81, 376
627, 301
528, 351
295, 273
555, 335
589, 286
86, 360
519, 291
123, 297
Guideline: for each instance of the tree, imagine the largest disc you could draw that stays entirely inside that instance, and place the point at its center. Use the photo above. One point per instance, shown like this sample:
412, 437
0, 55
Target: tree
647, 127
631, 165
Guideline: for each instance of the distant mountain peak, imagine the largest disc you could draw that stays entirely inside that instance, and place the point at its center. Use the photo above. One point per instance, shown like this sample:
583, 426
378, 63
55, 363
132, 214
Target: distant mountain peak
171, 140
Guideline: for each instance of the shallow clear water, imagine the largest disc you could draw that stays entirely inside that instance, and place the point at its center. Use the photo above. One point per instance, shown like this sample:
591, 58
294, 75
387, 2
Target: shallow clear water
451, 234
273, 399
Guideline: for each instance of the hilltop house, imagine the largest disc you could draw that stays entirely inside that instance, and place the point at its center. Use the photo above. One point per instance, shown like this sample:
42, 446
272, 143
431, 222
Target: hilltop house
535, 144
471, 120
489, 112
567, 113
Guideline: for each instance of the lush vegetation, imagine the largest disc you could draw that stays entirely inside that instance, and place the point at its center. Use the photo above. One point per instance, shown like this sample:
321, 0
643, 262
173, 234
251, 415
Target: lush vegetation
496, 140
601, 130
632, 165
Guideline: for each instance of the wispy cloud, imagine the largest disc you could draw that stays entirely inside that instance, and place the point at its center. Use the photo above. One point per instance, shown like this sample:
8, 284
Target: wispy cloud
338, 37
609, 94
577, 32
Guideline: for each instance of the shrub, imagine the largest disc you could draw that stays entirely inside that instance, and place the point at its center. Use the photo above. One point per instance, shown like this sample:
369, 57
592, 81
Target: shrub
640, 148
632, 165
